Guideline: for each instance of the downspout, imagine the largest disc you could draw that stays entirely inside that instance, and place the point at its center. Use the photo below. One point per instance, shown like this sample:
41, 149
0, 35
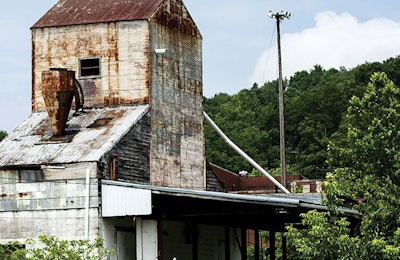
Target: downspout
244, 155
87, 204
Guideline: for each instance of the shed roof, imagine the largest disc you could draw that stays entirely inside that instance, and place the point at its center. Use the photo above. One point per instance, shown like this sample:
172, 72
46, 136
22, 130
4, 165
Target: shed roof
216, 208
88, 137
73, 12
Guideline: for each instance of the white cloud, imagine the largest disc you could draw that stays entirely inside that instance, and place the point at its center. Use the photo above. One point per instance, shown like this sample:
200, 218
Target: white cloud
335, 41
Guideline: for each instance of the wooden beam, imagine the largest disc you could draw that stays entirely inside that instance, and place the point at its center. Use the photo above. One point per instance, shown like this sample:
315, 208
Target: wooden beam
284, 247
244, 243
272, 245
256, 244
227, 244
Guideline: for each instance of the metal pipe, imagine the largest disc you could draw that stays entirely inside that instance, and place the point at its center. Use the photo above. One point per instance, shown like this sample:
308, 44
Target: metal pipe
87, 204
244, 155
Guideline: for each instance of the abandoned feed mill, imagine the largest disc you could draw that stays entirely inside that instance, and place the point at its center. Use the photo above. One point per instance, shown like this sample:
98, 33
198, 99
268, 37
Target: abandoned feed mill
114, 147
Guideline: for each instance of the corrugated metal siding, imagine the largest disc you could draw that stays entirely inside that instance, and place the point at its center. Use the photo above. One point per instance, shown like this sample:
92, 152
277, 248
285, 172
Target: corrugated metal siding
73, 12
66, 224
65, 194
118, 201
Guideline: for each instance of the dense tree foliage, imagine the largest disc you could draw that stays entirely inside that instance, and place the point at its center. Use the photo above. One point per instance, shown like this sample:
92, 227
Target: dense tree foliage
366, 178
233, 114
3, 134
315, 102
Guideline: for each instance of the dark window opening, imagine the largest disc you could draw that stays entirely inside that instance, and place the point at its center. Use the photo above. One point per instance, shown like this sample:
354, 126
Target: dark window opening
100, 122
113, 167
89, 67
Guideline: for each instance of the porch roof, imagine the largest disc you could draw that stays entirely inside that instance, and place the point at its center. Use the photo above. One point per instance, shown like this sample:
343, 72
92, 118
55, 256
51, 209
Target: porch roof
216, 208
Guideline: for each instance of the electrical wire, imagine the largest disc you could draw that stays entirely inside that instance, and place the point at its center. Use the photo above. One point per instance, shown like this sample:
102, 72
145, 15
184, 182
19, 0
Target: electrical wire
269, 51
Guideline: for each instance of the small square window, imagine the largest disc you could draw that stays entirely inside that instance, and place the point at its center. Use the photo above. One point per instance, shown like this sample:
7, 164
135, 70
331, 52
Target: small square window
89, 67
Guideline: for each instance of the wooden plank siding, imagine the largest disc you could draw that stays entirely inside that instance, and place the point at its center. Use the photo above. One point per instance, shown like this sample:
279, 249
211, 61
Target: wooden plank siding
132, 155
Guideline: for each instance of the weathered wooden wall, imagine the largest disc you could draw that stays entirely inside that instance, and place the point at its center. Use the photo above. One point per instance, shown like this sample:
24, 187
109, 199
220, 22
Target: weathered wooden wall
131, 154
177, 143
123, 50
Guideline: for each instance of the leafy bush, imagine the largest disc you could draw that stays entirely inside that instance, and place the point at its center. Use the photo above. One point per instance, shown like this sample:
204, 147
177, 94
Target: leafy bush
53, 248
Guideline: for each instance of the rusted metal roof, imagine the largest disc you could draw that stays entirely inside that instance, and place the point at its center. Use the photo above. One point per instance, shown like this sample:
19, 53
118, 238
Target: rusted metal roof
32, 143
74, 12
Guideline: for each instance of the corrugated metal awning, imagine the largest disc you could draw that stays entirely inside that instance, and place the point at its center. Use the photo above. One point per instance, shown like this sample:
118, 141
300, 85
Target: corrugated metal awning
119, 201
215, 208
211, 195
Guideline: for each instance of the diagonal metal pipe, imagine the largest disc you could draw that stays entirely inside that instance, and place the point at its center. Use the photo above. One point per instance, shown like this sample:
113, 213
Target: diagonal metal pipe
244, 155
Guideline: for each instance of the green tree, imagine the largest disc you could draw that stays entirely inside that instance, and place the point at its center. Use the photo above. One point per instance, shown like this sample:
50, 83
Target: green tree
250, 119
325, 237
52, 248
315, 103
367, 179
3, 135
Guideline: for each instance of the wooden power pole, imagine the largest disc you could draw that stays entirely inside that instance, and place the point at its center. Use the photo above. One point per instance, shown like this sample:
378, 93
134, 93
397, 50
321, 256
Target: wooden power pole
279, 17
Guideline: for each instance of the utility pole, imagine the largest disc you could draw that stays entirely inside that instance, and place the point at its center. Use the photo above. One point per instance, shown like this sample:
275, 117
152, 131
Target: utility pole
280, 16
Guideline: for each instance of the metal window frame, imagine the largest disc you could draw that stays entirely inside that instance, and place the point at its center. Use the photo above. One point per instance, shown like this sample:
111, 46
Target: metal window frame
89, 76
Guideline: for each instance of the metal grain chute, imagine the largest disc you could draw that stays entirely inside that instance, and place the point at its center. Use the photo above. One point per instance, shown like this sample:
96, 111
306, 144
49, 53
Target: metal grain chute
58, 85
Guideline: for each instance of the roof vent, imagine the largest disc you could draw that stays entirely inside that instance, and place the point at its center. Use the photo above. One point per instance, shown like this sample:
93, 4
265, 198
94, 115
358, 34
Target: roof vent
58, 91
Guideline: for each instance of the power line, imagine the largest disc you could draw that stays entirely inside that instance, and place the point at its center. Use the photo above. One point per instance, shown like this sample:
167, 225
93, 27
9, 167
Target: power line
269, 49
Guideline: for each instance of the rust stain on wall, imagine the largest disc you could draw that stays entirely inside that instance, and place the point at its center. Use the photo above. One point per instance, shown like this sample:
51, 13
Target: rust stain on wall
22, 194
176, 18
106, 41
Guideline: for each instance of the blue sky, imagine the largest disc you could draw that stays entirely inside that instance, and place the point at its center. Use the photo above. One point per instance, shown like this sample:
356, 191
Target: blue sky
239, 42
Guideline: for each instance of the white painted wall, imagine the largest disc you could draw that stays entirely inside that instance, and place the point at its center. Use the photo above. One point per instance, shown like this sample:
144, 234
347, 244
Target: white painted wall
146, 239
65, 224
